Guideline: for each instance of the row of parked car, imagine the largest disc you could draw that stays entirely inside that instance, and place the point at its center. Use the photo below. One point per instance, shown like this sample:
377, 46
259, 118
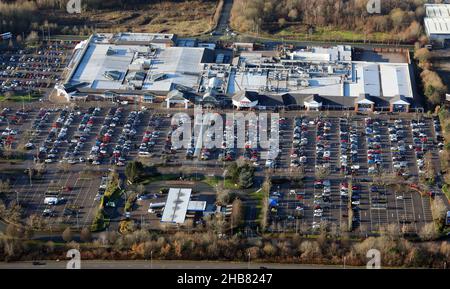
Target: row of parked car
278, 127
15, 118
58, 134
323, 146
228, 152
438, 133
74, 153
100, 148
348, 145
420, 140
7, 137
397, 136
150, 137
299, 142
322, 200
351, 194
373, 138
124, 143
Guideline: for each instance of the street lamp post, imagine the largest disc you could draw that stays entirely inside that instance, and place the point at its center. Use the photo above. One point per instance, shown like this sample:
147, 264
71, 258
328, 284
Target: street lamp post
248, 264
151, 259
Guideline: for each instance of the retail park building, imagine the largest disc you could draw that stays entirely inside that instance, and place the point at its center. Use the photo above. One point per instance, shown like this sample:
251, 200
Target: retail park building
161, 68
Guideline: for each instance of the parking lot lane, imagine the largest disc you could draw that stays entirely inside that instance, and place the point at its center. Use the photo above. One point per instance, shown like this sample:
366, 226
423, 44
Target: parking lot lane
87, 202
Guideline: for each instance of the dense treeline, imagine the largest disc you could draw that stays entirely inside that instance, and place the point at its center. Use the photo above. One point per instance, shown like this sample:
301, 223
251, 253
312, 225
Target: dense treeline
90, 4
142, 244
401, 17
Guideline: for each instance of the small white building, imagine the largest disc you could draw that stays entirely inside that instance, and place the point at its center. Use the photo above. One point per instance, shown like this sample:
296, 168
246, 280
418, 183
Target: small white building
313, 102
177, 97
179, 204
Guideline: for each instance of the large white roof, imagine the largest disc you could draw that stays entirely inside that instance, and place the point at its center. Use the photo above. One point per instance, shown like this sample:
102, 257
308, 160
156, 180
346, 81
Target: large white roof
181, 65
438, 10
366, 79
96, 61
437, 25
438, 18
176, 206
395, 80
380, 79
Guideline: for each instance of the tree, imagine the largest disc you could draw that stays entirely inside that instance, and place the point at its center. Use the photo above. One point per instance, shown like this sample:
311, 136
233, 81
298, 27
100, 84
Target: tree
223, 197
241, 173
434, 87
140, 189
5, 186
32, 37
64, 166
85, 235
439, 211
237, 215
12, 231
293, 14
67, 235
233, 172
264, 216
428, 232
246, 179
422, 55
322, 172
133, 171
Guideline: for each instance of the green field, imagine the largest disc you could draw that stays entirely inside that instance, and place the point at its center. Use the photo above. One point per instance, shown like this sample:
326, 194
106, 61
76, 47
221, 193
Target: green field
21, 97
327, 34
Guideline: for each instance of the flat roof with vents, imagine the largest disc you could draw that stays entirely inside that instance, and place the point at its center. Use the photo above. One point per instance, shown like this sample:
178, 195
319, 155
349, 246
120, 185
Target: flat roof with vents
437, 21
176, 206
438, 10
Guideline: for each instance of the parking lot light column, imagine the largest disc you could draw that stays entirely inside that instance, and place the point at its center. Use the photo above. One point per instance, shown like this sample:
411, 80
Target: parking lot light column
151, 259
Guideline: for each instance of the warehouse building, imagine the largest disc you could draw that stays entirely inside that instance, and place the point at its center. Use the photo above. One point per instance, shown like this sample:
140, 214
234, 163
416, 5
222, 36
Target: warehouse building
129, 65
437, 23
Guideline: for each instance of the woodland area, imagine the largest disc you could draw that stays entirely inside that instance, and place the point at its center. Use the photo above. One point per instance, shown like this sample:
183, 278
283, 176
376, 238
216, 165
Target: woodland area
141, 244
175, 16
399, 19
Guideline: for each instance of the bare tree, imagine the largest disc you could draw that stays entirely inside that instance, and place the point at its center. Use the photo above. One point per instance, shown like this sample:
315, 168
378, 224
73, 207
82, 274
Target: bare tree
67, 235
